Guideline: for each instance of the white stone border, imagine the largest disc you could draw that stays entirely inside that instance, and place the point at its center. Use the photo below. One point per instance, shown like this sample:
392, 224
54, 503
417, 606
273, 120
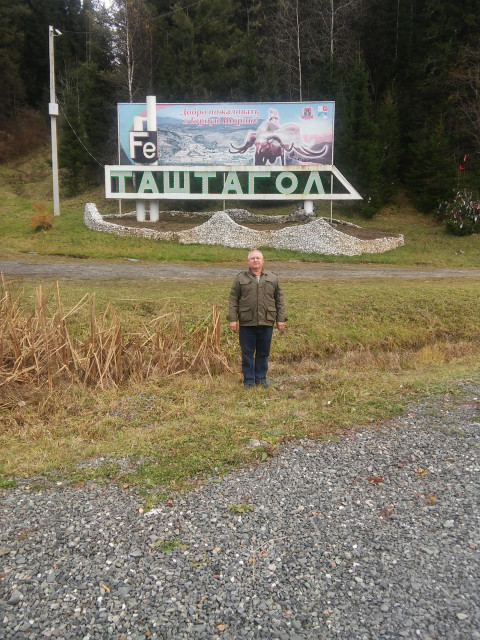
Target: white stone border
317, 236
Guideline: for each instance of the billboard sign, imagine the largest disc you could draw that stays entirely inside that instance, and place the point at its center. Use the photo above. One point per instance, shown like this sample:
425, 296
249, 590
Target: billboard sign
228, 134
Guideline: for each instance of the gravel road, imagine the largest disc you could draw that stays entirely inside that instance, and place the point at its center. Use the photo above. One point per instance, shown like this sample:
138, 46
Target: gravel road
89, 269
373, 535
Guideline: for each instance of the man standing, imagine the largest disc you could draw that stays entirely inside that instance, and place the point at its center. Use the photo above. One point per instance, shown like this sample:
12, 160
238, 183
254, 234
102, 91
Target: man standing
255, 305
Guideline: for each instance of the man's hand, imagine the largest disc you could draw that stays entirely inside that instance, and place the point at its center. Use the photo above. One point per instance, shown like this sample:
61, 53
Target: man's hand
280, 326
233, 326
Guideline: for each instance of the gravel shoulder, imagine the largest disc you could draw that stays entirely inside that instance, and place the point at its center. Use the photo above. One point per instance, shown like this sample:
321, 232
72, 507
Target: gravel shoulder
373, 535
132, 270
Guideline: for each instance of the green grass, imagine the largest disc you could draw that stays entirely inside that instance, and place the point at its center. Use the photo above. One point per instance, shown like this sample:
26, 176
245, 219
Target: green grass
238, 509
351, 354
426, 243
167, 546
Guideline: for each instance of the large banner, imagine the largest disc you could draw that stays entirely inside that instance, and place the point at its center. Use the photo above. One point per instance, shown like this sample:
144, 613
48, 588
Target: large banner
277, 133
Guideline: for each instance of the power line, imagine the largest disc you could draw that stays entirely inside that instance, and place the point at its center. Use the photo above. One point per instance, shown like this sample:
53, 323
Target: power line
78, 138
162, 15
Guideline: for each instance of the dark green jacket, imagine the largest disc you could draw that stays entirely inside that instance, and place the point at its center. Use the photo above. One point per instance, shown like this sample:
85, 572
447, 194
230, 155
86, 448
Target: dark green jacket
255, 303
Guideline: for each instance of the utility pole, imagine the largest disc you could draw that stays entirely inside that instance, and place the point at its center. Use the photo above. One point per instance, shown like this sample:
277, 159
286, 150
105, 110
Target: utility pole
53, 112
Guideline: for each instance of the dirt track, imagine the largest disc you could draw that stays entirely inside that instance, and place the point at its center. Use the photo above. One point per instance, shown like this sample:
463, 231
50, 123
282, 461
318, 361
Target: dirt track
129, 270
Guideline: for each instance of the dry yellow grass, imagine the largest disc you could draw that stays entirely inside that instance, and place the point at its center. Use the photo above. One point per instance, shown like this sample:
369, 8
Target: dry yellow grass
38, 348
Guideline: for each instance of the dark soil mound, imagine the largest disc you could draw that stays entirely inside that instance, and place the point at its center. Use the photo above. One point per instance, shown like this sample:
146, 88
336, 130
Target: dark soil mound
179, 223
360, 232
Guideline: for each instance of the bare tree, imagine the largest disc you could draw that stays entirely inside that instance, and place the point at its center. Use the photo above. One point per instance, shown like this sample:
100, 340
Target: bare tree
309, 33
133, 29
288, 39
332, 22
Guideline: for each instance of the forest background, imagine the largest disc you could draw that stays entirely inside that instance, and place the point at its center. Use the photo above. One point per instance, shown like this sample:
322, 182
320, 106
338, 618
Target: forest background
405, 76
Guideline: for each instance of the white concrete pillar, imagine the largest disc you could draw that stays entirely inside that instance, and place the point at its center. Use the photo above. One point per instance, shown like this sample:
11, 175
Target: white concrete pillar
151, 113
140, 204
308, 207
138, 125
140, 208
154, 211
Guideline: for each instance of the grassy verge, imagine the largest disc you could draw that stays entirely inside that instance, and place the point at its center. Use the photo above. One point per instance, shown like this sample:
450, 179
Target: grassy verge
426, 243
351, 354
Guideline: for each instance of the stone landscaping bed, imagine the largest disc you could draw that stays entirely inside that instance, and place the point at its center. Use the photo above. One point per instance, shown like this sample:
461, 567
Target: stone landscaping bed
169, 222
239, 228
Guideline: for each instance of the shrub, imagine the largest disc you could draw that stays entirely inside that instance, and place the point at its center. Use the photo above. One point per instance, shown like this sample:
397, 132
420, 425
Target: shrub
461, 216
42, 219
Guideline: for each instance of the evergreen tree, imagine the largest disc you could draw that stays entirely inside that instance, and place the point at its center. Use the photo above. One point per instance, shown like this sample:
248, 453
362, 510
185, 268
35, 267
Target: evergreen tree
390, 140
218, 49
87, 96
12, 36
88, 135
432, 175
178, 78
358, 150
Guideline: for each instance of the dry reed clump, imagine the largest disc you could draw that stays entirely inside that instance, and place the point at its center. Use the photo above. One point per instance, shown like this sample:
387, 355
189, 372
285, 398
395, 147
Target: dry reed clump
38, 349
42, 220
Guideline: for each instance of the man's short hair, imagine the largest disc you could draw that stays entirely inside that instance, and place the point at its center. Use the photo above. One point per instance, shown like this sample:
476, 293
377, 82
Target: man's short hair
254, 251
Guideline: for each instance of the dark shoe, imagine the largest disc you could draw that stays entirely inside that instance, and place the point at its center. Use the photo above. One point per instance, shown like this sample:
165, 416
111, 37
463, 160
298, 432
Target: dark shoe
262, 383
248, 385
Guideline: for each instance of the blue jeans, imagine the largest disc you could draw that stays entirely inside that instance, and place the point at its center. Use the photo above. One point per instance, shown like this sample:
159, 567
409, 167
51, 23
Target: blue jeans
255, 345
